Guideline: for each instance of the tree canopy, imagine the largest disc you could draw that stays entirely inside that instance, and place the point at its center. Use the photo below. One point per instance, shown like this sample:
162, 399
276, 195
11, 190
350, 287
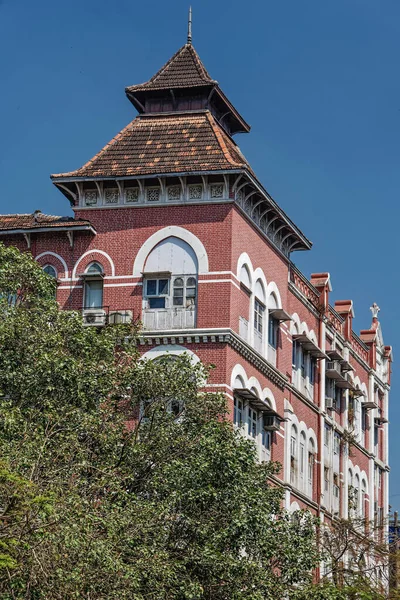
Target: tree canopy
120, 478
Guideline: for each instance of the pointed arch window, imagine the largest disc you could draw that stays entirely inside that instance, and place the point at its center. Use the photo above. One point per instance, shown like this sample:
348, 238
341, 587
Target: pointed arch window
50, 270
170, 286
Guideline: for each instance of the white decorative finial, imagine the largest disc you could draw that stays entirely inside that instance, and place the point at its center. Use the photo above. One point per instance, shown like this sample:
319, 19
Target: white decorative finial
189, 37
374, 309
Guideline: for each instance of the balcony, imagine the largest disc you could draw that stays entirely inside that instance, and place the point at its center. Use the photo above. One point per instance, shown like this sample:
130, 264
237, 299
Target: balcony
159, 319
102, 315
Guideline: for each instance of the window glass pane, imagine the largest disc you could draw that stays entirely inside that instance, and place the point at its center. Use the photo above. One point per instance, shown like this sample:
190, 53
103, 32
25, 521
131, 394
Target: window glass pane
178, 282
95, 268
151, 287
178, 300
163, 286
190, 292
191, 282
50, 271
156, 302
93, 294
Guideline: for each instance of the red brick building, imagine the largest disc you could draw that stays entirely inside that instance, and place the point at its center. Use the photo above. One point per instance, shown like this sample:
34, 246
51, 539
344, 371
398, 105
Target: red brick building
172, 226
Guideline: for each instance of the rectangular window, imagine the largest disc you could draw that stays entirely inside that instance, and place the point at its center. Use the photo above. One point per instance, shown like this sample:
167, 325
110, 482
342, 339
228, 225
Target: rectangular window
312, 366
303, 362
327, 436
267, 439
156, 291
273, 329
238, 411
302, 457
258, 316
336, 444
293, 446
94, 293
294, 354
326, 479
310, 467
252, 423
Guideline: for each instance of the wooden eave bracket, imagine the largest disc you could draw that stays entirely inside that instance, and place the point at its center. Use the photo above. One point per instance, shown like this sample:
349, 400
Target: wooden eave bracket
27, 237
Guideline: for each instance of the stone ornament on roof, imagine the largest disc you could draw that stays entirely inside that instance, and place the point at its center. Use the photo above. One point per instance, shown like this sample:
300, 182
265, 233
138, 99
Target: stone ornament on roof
375, 310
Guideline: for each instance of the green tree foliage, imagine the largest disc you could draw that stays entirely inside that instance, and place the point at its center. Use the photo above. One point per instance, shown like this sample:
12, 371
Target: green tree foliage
119, 478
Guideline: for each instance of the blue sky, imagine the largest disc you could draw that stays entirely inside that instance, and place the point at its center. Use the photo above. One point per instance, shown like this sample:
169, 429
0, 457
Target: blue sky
318, 82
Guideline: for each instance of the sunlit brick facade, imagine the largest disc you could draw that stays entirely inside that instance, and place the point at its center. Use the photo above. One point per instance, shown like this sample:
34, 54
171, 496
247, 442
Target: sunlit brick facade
172, 227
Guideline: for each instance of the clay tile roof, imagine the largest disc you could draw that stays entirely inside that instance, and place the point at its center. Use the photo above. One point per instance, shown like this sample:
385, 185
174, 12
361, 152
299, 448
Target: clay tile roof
170, 143
183, 70
37, 221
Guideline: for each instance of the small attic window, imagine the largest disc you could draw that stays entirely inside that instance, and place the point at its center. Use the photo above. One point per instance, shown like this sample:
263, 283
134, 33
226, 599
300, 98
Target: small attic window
153, 194
111, 196
131, 195
195, 192
91, 197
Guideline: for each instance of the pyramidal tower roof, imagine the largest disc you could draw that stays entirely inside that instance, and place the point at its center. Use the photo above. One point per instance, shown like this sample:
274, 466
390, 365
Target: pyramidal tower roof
183, 70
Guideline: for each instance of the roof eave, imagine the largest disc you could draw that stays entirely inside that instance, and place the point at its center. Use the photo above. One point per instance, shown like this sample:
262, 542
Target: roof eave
305, 241
70, 178
246, 127
48, 229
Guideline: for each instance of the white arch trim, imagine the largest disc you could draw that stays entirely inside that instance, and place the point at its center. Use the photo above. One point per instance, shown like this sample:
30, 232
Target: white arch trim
272, 289
162, 234
60, 258
94, 251
244, 260
294, 507
238, 371
252, 382
302, 327
173, 349
259, 275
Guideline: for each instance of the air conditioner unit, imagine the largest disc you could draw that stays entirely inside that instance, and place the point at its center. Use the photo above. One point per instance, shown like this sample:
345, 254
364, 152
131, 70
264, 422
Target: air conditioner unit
271, 423
117, 317
329, 403
94, 317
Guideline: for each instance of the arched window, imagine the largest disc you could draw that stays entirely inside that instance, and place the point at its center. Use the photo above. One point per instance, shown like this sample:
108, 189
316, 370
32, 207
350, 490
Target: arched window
293, 455
259, 316
93, 288
50, 270
363, 498
356, 494
245, 294
302, 459
273, 329
245, 279
170, 286
310, 466
252, 419
238, 403
266, 439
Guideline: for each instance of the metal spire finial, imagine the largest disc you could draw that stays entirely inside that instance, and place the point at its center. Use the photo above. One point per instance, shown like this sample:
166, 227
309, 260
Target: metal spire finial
189, 37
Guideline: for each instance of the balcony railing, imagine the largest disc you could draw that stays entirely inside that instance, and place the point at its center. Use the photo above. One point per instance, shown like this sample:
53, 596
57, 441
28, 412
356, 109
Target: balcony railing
169, 318
102, 315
